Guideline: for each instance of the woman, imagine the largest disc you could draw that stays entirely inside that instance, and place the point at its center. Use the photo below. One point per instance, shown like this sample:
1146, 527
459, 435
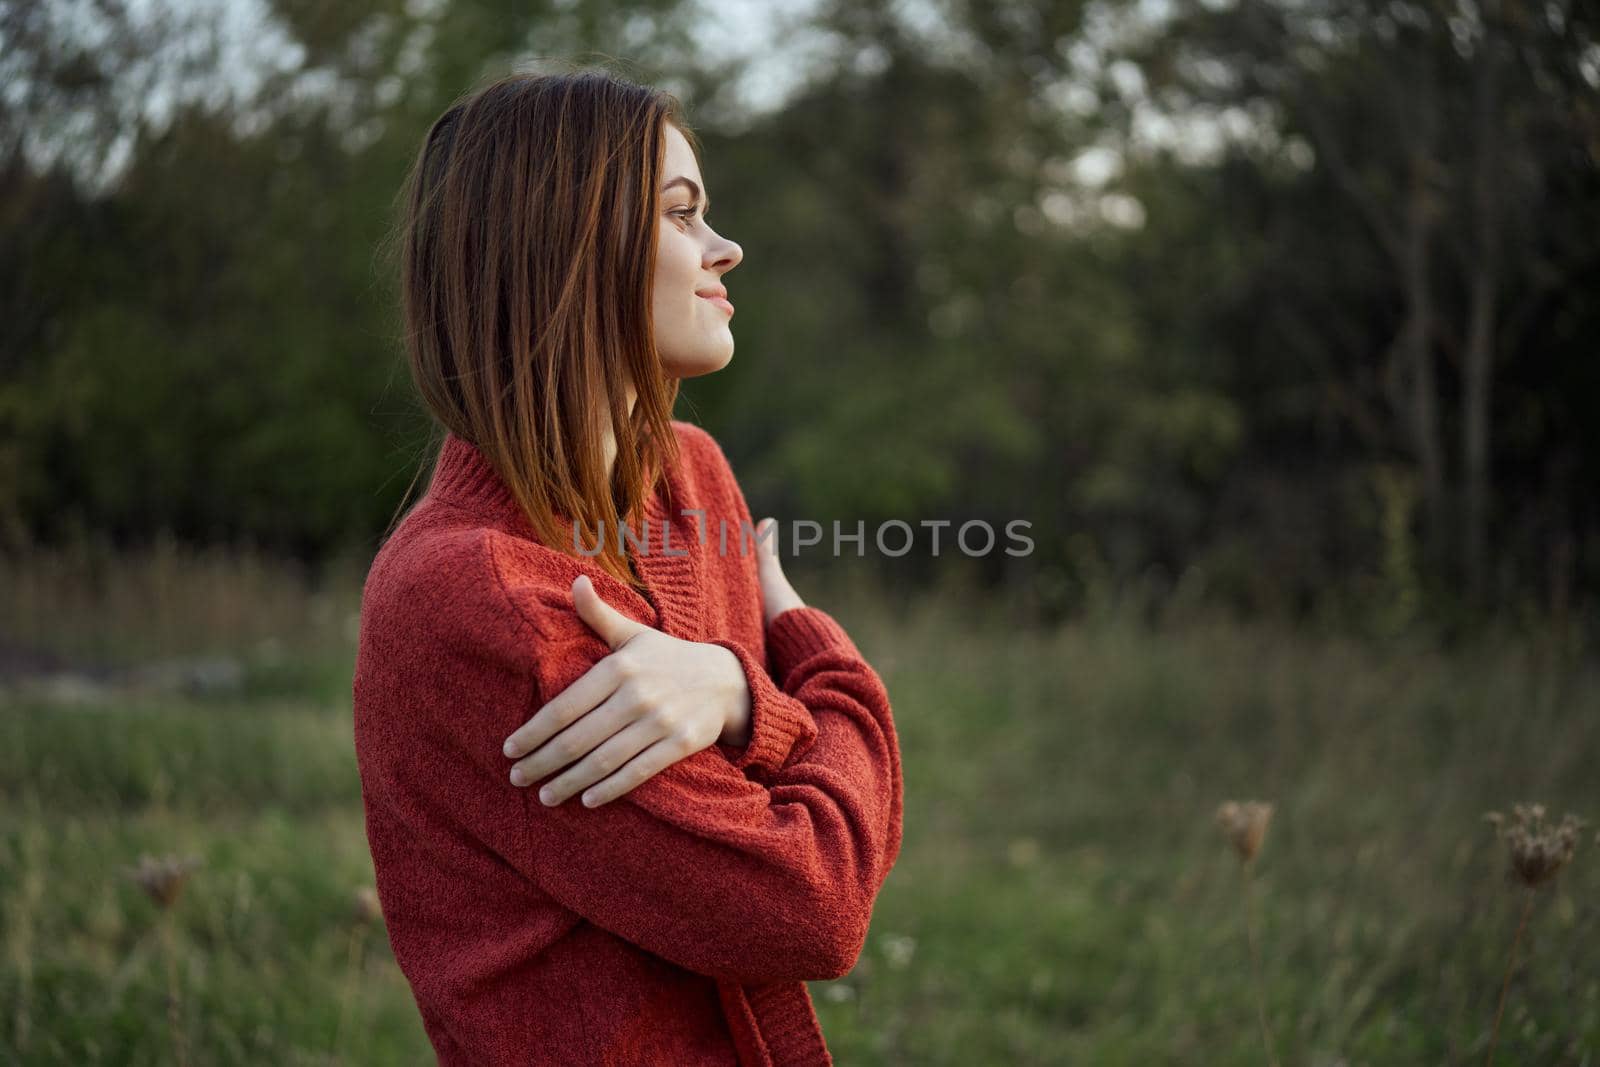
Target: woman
577, 604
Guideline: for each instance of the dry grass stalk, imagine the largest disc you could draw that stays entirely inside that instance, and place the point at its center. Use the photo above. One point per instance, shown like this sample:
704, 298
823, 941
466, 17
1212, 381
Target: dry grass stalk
162, 880
1245, 826
1537, 853
365, 912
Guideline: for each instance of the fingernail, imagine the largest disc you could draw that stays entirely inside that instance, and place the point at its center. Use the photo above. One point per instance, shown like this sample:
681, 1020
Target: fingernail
516, 776
546, 797
588, 801
509, 748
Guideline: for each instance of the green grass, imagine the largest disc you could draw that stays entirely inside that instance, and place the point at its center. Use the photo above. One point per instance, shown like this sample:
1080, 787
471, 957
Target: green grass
1071, 900
1063, 895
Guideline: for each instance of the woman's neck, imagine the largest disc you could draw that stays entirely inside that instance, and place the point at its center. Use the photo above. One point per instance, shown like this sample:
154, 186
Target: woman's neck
608, 445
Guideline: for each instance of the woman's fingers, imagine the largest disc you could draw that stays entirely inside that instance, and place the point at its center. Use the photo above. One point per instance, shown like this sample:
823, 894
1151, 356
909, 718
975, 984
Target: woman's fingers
766, 547
597, 683
626, 760
566, 708
659, 693
579, 739
777, 595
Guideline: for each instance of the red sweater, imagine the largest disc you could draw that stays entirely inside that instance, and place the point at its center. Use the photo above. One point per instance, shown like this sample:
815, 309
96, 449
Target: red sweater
677, 924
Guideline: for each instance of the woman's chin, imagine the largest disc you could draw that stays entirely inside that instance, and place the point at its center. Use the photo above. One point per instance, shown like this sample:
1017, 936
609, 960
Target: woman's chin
701, 363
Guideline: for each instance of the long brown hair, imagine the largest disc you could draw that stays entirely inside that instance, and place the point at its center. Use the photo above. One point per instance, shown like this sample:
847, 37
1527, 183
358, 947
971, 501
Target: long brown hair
528, 238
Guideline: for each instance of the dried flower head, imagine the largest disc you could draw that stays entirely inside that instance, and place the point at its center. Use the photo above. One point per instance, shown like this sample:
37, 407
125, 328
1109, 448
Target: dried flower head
1245, 826
163, 878
899, 948
364, 906
1023, 851
1538, 851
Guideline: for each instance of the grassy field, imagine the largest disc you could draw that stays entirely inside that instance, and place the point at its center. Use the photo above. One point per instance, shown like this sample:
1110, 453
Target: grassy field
1063, 895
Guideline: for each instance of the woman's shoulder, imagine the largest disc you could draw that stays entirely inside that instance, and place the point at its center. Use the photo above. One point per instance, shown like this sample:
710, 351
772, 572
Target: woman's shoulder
449, 573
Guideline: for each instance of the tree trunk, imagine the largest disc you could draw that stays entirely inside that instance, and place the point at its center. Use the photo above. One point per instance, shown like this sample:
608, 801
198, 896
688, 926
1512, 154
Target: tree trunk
1478, 380
1417, 339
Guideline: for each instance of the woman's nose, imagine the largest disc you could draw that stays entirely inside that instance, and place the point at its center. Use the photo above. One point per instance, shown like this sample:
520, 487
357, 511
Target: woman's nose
727, 255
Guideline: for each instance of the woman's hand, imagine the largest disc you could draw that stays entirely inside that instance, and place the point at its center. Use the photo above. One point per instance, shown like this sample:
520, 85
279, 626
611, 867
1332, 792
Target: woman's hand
653, 701
777, 595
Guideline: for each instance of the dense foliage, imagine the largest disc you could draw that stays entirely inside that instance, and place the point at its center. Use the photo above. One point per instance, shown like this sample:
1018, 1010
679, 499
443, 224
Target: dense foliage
1293, 304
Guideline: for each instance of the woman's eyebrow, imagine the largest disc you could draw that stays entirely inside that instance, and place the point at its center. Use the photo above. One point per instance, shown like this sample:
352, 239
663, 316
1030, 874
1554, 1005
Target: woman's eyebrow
694, 190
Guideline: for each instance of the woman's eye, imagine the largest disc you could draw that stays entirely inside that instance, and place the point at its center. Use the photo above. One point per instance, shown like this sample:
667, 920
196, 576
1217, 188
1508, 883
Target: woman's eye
686, 212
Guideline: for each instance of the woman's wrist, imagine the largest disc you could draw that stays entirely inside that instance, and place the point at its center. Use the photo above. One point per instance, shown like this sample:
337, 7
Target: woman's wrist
777, 601
736, 723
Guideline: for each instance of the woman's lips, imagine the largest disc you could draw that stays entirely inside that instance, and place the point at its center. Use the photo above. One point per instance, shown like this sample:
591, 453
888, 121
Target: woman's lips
720, 302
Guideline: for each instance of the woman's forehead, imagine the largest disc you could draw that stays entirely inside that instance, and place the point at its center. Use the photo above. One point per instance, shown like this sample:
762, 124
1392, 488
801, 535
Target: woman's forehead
680, 161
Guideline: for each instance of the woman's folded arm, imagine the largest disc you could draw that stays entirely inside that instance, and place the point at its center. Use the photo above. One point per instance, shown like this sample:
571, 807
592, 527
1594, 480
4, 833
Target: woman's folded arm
725, 876
783, 726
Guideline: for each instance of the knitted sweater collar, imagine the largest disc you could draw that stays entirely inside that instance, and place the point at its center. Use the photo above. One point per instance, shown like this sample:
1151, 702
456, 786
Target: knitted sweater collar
464, 475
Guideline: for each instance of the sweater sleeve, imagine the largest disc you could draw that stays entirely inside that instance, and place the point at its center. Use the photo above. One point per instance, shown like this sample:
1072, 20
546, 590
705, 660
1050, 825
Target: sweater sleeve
700, 865
781, 727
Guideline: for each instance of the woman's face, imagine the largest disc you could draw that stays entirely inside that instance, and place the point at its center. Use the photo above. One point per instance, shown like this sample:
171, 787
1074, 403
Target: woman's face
691, 330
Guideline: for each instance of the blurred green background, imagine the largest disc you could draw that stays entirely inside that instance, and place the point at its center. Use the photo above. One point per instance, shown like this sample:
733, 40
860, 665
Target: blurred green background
1277, 319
